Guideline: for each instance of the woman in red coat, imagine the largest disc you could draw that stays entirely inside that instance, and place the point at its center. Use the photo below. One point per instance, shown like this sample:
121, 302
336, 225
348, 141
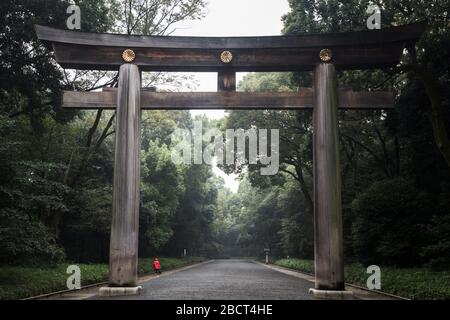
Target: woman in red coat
157, 266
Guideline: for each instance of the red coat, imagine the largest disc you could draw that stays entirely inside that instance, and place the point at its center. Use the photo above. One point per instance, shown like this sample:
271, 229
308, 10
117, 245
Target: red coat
156, 265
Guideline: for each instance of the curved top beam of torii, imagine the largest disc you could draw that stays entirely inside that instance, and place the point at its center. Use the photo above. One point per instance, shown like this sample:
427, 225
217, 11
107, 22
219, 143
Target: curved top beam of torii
350, 50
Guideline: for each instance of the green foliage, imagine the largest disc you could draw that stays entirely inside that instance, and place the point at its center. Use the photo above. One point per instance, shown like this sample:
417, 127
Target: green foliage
297, 264
413, 283
86, 227
162, 186
192, 223
37, 146
56, 166
23, 282
296, 233
388, 218
26, 240
391, 171
31, 198
257, 218
266, 82
437, 249
278, 213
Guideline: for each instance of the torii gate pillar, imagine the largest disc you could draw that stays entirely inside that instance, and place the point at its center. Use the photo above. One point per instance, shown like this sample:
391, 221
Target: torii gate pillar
328, 237
123, 261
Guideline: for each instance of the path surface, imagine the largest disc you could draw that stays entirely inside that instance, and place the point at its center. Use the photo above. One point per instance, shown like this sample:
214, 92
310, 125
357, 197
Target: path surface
227, 280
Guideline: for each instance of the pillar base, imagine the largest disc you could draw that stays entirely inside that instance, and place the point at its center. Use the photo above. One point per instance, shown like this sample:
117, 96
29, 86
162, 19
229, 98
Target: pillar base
120, 291
331, 294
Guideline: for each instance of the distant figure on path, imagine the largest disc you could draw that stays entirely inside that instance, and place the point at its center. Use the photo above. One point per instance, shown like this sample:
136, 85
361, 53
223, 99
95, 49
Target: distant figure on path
157, 266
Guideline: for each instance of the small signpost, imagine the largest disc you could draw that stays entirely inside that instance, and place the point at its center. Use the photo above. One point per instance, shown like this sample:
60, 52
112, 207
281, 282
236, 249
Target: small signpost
266, 251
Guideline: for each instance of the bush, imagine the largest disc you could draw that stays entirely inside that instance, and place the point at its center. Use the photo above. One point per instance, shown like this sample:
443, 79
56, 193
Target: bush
388, 223
21, 282
413, 283
297, 264
437, 252
26, 240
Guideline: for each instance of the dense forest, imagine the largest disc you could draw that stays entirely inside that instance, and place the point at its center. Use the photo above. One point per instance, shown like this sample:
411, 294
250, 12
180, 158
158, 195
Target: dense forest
56, 165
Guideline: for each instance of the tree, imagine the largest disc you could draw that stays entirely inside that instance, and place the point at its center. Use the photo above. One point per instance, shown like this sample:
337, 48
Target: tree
295, 134
57, 165
423, 63
381, 146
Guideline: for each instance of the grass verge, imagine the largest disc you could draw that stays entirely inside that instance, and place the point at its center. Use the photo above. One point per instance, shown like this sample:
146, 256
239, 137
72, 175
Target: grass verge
17, 282
413, 283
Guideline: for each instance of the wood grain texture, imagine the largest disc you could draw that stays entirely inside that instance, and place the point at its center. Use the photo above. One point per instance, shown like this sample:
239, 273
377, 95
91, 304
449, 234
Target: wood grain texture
226, 81
351, 50
125, 211
244, 60
403, 33
228, 100
328, 238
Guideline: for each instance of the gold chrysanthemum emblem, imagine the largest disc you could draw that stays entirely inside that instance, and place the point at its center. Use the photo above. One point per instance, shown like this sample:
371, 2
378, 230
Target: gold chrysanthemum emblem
325, 55
128, 55
226, 56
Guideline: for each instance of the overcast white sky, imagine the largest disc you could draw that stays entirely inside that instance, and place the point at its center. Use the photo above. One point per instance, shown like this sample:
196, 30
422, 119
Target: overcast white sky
233, 18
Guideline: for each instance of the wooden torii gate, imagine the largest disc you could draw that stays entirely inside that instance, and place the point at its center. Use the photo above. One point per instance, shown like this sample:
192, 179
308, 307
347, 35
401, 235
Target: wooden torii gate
321, 53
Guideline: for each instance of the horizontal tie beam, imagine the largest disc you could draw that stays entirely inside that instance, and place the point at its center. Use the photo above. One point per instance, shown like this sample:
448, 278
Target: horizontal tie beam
227, 100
